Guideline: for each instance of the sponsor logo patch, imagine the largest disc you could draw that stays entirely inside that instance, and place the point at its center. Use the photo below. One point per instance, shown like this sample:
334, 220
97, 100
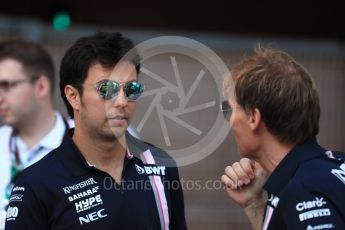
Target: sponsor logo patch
83, 194
321, 226
88, 203
92, 217
150, 170
340, 173
274, 200
12, 213
21, 189
317, 203
75, 187
314, 213
16, 197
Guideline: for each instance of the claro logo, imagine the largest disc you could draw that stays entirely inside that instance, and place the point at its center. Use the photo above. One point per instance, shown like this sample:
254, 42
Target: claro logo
318, 202
92, 217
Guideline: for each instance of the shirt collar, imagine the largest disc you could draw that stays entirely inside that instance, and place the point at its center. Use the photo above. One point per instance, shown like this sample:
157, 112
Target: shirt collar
49, 142
76, 164
53, 139
288, 166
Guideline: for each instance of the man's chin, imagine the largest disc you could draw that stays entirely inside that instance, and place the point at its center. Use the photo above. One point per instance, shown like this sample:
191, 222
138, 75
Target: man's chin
9, 122
118, 132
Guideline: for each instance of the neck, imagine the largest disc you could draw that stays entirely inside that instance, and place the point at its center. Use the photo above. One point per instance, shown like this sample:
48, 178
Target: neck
36, 126
272, 152
106, 155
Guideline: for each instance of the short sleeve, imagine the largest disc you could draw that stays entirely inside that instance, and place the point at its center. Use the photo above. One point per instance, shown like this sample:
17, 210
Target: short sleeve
25, 210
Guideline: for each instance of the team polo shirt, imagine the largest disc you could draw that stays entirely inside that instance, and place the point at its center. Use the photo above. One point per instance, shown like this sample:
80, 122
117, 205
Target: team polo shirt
307, 190
63, 191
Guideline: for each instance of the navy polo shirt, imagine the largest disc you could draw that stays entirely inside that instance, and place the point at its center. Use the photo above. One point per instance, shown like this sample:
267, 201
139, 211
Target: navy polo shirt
63, 191
307, 190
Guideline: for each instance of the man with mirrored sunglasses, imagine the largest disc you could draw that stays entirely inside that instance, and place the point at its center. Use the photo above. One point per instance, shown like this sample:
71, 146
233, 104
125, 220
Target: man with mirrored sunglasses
104, 178
31, 127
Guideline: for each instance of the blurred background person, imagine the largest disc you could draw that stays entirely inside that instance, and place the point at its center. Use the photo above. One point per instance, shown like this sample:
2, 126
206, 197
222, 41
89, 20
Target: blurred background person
31, 127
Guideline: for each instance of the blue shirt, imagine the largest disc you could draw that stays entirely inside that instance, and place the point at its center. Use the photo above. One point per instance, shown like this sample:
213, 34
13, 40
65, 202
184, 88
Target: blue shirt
63, 191
307, 190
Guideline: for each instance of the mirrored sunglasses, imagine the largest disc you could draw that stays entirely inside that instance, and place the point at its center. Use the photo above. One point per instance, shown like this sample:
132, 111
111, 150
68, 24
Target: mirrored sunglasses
108, 89
226, 109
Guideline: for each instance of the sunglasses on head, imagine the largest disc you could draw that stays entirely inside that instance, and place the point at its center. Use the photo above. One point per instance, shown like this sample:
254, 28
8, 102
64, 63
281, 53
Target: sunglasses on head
226, 109
108, 89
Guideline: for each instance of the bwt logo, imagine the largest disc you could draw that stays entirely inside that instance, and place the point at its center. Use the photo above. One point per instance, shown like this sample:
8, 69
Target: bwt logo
92, 217
149, 170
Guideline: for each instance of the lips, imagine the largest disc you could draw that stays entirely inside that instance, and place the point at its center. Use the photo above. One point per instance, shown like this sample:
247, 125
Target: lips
119, 117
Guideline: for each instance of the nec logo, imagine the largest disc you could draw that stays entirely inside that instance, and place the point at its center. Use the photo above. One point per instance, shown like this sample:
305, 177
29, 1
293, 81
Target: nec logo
149, 170
92, 217
340, 173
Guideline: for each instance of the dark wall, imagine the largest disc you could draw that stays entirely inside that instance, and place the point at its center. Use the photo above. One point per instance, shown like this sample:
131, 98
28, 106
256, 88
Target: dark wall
303, 18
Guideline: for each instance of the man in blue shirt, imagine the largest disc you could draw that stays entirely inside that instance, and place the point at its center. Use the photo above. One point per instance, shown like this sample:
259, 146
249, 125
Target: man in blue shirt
286, 180
101, 177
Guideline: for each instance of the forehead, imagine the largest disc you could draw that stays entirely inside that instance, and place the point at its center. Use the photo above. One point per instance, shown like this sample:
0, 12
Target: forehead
10, 69
121, 72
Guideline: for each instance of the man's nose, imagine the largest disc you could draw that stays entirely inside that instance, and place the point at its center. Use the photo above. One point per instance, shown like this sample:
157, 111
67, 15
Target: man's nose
121, 99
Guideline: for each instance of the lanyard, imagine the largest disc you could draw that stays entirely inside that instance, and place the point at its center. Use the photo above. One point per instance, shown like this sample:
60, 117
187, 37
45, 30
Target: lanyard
13, 147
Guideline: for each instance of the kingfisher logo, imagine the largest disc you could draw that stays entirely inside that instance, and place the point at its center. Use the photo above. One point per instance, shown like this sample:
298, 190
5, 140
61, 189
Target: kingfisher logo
150, 170
75, 187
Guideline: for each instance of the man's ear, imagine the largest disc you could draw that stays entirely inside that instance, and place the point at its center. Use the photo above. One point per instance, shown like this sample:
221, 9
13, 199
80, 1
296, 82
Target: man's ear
42, 87
255, 119
73, 97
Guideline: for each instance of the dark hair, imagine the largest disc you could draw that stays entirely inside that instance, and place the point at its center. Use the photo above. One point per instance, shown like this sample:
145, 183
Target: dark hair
283, 91
35, 59
102, 47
